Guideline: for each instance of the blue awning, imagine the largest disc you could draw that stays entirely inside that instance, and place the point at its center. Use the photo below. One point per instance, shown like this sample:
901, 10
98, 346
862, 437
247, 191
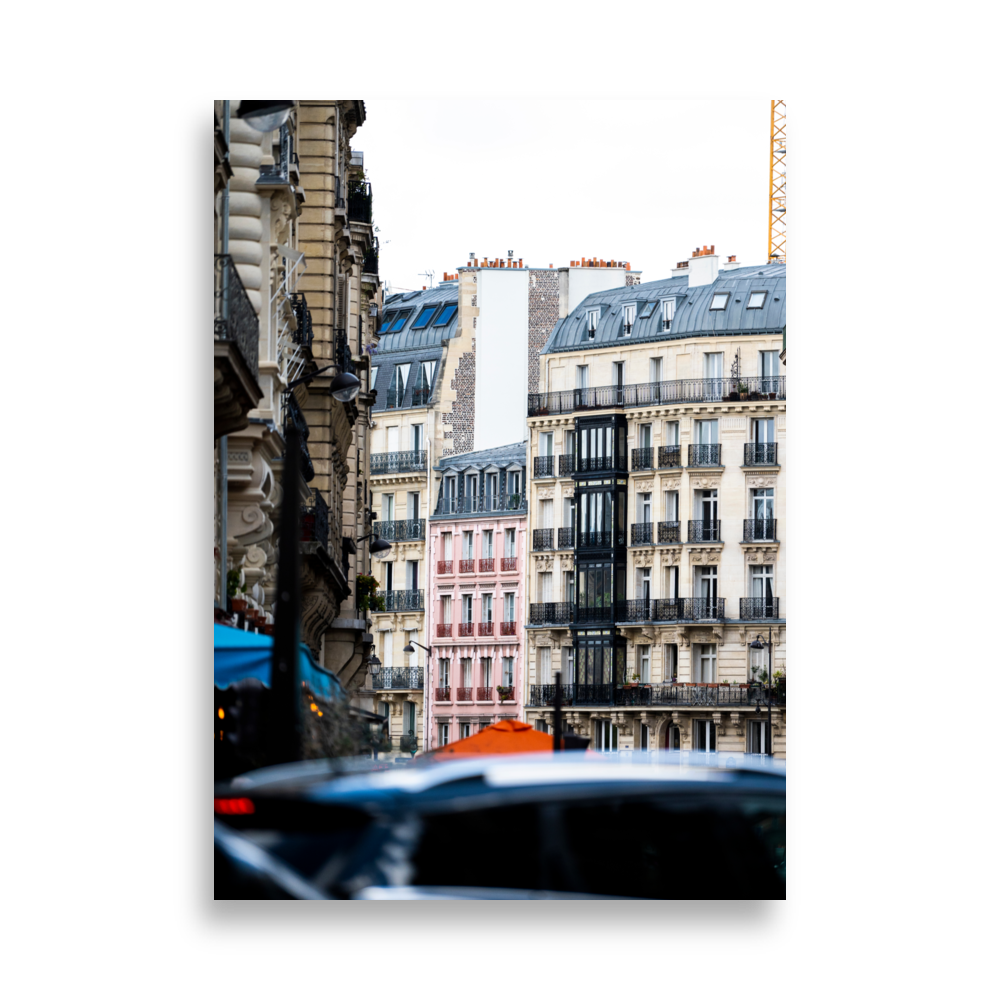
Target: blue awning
241, 654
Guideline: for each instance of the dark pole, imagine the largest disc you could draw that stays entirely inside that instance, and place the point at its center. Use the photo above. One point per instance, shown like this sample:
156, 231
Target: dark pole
557, 720
284, 722
770, 744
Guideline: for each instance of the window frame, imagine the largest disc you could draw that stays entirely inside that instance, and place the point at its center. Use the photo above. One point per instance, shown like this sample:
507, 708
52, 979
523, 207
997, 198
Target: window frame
763, 301
626, 306
712, 307
667, 305
401, 317
444, 317
431, 312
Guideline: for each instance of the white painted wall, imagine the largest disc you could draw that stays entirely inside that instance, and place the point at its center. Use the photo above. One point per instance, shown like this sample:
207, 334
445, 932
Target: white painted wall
501, 358
583, 281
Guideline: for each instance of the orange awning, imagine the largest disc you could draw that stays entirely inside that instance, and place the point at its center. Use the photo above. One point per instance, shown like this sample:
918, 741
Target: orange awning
507, 736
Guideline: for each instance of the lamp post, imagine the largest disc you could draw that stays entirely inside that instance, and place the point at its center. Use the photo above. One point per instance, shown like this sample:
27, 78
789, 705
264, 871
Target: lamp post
408, 648
265, 116
374, 664
758, 644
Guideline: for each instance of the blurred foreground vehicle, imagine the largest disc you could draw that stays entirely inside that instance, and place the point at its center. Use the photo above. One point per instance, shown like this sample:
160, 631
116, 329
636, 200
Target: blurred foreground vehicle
566, 825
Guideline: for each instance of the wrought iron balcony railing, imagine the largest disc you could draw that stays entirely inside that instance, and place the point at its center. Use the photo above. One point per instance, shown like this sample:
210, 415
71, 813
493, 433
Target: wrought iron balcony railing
541, 539
760, 529
463, 694
484, 693
359, 202
595, 615
296, 418
572, 694
444, 630
235, 319
277, 172
565, 538
704, 454
601, 463
508, 564
303, 320
758, 607
649, 609
409, 530
642, 458
642, 533
696, 390
386, 463
316, 521
703, 608
342, 351
442, 694
446, 567
486, 628
544, 465
760, 454
668, 532
370, 265
669, 456
598, 539
408, 744
566, 465
704, 531
467, 565
486, 565
508, 628
466, 628
402, 600
694, 695
551, 613
408, 678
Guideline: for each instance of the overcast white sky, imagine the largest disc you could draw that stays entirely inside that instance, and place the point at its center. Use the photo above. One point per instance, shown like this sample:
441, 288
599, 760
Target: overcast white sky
558, 179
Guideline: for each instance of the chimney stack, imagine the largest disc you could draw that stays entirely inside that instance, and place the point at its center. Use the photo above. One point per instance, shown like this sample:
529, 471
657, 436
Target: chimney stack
703, 267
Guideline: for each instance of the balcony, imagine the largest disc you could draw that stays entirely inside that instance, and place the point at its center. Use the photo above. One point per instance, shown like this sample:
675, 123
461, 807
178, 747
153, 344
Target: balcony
402, 600
410, 530
466, 628
704, 531
446, 567
668, 532
642, 458
642, 534
442, 694
486, 628
752, 608
398, 678
760, 454
680, 695
703, 608
597, 539
760, 530
508, 564
463, 694
276, 174
486, 565
565, 538
235, 319
443, 630
704, 454
541, 539
303, 320
359, 202
572, 694
566, 465
484, 693
603, 615
560, 613
649, 609
695, 390
316, 521
370, 265
508, 628
467, 565
387, 463
600, 463
669, 456
544, 466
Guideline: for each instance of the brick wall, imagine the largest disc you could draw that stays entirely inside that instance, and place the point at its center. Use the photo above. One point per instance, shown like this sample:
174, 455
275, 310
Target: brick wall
543, 313
462, 419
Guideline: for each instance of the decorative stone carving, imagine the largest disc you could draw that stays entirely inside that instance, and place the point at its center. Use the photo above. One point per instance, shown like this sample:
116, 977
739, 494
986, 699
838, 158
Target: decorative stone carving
545, 493
670, 557
705, 557
706, 482
642, 558
761, 555
761, 482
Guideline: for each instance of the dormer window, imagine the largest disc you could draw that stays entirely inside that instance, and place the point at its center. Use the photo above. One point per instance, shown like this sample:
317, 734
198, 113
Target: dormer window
399, 322
593, 315
424, 318
666, 314
756, 300
628, 319
387, 321
719, 301
445, 318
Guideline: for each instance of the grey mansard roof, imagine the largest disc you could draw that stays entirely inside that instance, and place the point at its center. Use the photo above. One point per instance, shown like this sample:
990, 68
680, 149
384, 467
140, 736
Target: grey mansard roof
502, 456
412, 303
692, 317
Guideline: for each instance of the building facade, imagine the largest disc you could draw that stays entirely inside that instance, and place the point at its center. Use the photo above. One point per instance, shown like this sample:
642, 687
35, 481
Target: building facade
657, 497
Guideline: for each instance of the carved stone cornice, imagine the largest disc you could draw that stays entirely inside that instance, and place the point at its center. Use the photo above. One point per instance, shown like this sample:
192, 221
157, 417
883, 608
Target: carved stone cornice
702, 554
758, 553
756, 480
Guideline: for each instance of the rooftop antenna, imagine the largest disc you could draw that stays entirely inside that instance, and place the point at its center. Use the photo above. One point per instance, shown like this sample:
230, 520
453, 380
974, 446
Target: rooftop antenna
429, 275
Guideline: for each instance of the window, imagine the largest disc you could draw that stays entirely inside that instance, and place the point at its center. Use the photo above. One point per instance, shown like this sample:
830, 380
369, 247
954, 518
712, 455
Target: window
388, 576
443, 734
756, 300
471, 494
450, 495
467, 671
510, 543
582, 376
464, 730
444, 673
643, 583
704, 663
643, 657
446, 609
397, 388
422, 388
618, 373
387, 320
607, 736
545, 443
763, 504
628, 319
486, 671
388, 506
466, 608
545, 587
762, 588
412, 576
383, 710
373, 378
770, 374
507, 671
757, 668
487, 546
567, 663
544, 664
508, 607
513, 485
670, 505
643, 736
446, 314
704, 734
671, 432
399, 322
466, 544
647, 310
569, 584
645, 435
593, 316
713, 365
487, 607
656, 369
719, 301
670, 662
423, 318
409, 718
667, 313
644, 507
706, 431
541, 725
417, 437
413, 505
757, 741
545, 514
410, 635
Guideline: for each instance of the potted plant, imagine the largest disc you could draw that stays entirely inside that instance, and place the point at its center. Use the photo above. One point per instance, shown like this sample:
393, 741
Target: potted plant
744, 390
506, 692
772, 395
368, 600
734, 396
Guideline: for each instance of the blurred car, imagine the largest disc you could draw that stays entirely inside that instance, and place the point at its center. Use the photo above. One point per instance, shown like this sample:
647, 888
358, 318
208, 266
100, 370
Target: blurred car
572, 825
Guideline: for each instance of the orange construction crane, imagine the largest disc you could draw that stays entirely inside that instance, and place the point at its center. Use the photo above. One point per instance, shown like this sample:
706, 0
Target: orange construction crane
776, 205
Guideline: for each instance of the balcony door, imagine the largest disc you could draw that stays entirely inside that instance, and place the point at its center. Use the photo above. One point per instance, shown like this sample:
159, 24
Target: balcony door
392, 439
487, 609
713, 375
409, 718
467, 672
708, 588
417, 437
763, 504
607, 736
671, 583
466, 608
509, 543
671, 432
645, 507
705, 657
770, 370
704, 734
762, 588
706, 431
643, 584
763, 431
618, 371
450, 494
670, 502
709, 508
413, 505
544, 665
513, 485
545, 513
493, 491
569, 588
545, 587
446, 610
466, 545
447, 546
471, 493
388, 506
412, 576
487, 545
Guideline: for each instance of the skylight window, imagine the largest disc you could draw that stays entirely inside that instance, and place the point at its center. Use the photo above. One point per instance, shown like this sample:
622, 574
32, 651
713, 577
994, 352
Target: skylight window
399, 322
386, 321
647, 310
424, 318
719, 300
756, 300
446, 314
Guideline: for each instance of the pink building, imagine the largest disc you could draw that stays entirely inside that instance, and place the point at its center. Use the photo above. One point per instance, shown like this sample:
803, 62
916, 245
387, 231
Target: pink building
475, 607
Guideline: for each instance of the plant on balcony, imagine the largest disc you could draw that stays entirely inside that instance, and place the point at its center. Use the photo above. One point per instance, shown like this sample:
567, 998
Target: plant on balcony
506, 692
744, 390
233, 583
368, 600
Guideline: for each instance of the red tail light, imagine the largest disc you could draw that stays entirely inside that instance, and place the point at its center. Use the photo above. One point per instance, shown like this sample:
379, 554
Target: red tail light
234, 807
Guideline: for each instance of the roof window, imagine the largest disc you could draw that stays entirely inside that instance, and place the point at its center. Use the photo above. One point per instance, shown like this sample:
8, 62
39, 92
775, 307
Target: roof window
386, 321
446, 314
666, 314
399, 322
719, 301
424, 318
628, 318
593, 317
647, 310
756, 300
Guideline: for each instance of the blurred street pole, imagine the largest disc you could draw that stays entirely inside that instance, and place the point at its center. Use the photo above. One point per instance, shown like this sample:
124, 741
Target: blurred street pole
557, 715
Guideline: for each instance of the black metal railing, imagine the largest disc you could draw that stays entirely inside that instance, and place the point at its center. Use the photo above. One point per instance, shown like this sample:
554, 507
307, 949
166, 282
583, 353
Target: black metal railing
649, 609
476, 504
303, 320
359, 202
760, 454
697, 390
408, 744
541, 538
667, 532
296, 418
566, 465
669, 456
402, 600
565, 538
235, 318
387, 678
277, 172
410, 530
693, 695
642, 458
758, 607
387, 462
760, 529
572, 694
704, 454
551, 613
316, 521
703, 608
544, 465
597, 539
704, 531
592, 615
370, 265
642, 533
602, 463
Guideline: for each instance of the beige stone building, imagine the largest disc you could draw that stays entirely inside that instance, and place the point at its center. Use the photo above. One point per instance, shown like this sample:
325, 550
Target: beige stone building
657, 504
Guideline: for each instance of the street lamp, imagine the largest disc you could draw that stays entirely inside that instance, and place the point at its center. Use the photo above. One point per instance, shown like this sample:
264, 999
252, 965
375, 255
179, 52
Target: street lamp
265, 116
344, 388
758, 644
408, 648
379, 548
